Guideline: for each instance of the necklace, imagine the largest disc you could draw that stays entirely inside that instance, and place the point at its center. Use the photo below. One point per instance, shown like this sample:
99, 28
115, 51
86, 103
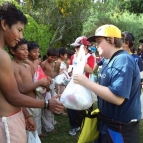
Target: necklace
51, 65
20, 63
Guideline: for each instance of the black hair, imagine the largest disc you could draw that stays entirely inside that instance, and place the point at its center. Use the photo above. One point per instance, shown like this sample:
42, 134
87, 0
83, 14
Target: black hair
32, 45
21, 42
52, 52
70, 53
62, 51
128, 38
44, 57
11, 14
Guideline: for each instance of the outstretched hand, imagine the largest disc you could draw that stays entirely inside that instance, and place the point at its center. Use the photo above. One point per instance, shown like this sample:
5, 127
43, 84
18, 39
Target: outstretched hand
80, 79
55, 106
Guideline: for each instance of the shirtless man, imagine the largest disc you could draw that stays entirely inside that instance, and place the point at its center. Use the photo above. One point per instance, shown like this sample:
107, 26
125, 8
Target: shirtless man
12, 23
24, 78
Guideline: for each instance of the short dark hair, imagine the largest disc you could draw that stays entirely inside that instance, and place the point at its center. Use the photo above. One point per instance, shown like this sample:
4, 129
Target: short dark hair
70, 53
32, 45
62, 51
21, 42
129, 38
11, 14
52, 52
44, 57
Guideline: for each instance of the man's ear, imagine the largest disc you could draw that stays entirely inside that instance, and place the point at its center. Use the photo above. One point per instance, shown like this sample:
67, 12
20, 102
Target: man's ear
4, 24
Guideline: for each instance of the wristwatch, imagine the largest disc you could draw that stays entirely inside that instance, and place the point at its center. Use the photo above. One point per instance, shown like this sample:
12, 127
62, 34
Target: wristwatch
46, 104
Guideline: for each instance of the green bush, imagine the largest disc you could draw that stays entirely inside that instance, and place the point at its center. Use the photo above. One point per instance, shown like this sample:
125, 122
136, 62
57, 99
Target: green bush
38, 33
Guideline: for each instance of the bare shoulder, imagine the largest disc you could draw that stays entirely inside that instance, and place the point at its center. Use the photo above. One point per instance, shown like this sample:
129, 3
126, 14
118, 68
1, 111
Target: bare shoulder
28, 62
5, 60
43, 64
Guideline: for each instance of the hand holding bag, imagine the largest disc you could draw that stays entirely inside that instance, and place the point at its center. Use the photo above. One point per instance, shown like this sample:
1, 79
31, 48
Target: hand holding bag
76, 96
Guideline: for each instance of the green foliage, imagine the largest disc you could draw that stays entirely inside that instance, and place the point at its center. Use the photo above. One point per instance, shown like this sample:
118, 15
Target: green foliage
63, 18
109, 13
134, 6
37, 33
12, 1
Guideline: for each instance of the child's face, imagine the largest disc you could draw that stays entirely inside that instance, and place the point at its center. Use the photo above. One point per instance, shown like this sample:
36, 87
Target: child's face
52, 59
103, 47
21, 53
64, 57
34, 54
14, 34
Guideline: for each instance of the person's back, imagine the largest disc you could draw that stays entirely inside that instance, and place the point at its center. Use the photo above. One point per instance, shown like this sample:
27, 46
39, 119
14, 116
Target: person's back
128, 46
138, 61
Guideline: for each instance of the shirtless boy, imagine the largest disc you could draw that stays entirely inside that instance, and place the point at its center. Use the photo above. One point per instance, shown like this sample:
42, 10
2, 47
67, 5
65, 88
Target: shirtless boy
24, 79
48, 67
49, 64
33, 56
12, 23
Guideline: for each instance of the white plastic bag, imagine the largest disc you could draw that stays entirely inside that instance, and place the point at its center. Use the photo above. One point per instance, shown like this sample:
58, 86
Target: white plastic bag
76, 96
63, 78
141, 97
93, 78
33, 137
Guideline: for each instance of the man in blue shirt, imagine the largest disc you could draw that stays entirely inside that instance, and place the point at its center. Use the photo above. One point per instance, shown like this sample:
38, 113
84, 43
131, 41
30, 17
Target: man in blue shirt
118, 89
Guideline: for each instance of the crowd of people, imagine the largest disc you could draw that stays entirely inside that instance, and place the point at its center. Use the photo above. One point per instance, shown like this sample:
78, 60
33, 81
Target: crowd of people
26, 99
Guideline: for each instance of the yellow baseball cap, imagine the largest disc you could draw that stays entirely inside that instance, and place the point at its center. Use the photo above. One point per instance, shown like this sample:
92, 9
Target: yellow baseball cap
107, 30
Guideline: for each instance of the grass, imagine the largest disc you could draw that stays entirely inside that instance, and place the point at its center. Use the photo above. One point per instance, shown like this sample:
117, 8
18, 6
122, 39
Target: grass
61, 134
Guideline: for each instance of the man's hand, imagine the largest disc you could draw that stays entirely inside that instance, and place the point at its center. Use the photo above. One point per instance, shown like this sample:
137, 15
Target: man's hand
44, 82
30, 124
55, 106
50, 79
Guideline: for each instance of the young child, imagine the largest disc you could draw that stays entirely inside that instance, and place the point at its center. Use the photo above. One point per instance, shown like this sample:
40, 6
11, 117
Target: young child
70, 53
118, 89
61, 66
48, 67
23, 75
33, 56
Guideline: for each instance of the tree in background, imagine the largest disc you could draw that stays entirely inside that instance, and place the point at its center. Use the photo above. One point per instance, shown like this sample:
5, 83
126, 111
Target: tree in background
112, 12
64, 19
